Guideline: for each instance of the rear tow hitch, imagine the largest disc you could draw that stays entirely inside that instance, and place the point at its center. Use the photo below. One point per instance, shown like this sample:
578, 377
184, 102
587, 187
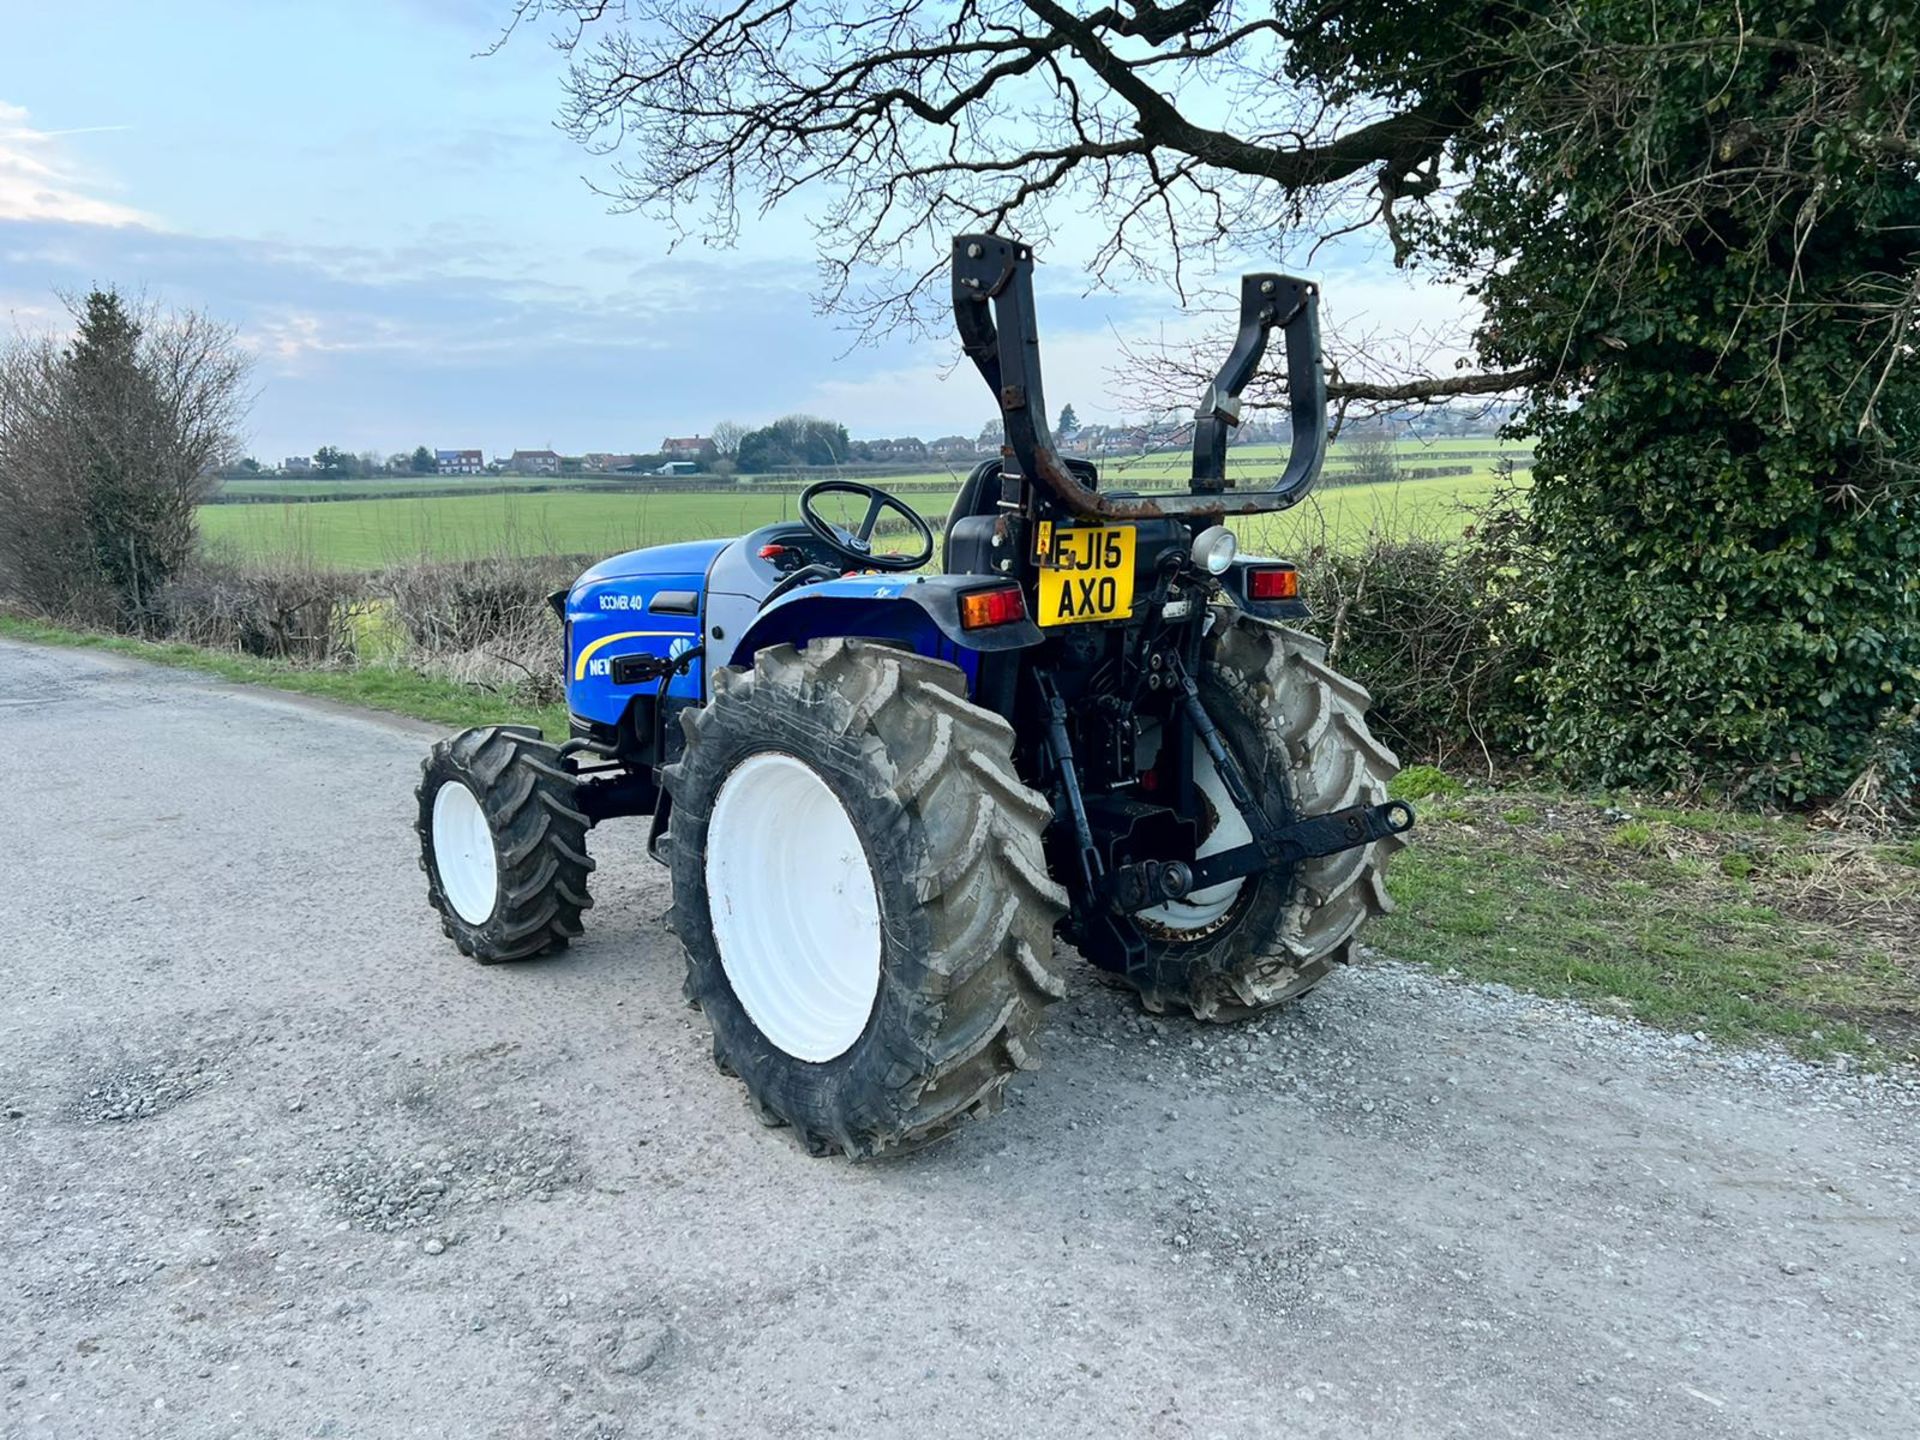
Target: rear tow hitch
1146, 883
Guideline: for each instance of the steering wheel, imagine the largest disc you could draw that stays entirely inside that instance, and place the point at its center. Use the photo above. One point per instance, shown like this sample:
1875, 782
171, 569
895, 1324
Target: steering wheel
856, 546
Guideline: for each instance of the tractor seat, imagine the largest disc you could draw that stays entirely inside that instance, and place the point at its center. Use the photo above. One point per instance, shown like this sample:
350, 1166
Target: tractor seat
980, 495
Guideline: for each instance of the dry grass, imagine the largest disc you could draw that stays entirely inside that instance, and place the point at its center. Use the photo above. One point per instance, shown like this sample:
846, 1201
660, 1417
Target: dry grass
482, 622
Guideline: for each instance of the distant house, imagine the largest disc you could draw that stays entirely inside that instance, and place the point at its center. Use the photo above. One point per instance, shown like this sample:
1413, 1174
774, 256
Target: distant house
602, 462
691, 447
297, 465
906, 447
534, 462
459, 462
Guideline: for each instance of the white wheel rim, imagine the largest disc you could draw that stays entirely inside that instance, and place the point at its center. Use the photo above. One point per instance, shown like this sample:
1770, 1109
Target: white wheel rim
463, 853
794, 908
1202, 908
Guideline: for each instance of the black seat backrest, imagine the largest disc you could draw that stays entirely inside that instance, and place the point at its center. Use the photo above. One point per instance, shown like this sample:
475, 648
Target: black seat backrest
980, 495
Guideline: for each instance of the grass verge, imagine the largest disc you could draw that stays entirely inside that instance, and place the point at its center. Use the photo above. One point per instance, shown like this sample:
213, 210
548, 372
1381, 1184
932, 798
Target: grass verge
391, 688
1739, 926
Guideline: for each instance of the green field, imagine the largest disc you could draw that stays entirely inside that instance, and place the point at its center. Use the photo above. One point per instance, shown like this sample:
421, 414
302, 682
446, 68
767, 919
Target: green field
1167, 467
364, 534
392, 522
412, 485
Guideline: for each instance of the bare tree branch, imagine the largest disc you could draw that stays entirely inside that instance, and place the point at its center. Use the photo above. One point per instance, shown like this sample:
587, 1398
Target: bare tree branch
1428, 387
907, 121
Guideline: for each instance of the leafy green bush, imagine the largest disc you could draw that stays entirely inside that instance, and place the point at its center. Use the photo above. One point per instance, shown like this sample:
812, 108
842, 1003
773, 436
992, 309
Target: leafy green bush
1418, 782
1437, 631
1701, 226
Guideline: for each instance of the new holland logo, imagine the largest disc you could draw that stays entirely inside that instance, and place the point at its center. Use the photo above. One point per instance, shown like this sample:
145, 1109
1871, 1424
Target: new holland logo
679, 648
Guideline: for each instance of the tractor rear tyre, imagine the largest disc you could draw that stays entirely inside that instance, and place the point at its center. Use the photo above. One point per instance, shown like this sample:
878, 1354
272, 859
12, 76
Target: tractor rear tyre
859, 882
504, 848
1299, 731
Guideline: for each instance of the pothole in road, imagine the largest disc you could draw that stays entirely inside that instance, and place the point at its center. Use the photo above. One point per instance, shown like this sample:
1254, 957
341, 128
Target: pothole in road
402, 1191
138, 1087
447, 1137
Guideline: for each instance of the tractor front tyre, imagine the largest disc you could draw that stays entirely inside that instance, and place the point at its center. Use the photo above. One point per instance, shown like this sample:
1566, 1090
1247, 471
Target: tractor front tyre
1298, 730
860, 885
504, 848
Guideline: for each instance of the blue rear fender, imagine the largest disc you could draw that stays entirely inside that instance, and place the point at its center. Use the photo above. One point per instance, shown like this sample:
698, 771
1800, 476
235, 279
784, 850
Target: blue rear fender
919, 611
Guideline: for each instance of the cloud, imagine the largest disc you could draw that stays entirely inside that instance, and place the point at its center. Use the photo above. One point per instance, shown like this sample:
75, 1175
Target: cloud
368, 348
947, 396
474, 340
40, 180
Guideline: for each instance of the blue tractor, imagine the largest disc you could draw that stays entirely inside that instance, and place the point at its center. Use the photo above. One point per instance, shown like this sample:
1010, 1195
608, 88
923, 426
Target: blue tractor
882, 791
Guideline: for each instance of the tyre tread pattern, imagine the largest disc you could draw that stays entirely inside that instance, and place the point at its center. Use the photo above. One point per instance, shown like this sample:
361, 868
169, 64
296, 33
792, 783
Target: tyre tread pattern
939, 773
526, 792
1317, 717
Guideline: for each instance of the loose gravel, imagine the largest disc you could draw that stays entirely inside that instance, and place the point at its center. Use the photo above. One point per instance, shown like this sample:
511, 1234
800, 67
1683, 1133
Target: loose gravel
275, 1160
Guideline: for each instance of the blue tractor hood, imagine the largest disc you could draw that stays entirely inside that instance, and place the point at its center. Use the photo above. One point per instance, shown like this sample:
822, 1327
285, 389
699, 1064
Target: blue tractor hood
689, 557
645, 602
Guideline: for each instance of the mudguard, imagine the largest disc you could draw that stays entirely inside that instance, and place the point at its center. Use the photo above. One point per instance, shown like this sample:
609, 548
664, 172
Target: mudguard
920, 611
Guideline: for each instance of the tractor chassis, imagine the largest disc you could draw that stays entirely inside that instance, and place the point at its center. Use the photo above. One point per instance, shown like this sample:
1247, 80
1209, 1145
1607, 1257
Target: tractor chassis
1120, 738
615, 789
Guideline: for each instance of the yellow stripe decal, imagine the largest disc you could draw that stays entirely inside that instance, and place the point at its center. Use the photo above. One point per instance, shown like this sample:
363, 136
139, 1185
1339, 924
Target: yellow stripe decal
580, 666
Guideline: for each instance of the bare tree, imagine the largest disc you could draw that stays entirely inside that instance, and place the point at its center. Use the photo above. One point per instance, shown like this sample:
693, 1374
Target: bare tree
918, 119
1182, 128
108, 443
1373, 458
726, 437
1370, 371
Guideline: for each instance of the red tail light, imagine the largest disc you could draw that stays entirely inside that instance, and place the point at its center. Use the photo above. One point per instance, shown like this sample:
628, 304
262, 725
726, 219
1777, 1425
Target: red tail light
985, 608
1273, 582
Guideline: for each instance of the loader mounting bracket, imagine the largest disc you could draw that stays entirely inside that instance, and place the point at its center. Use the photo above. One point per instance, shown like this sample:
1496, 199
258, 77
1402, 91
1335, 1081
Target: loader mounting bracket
994, 311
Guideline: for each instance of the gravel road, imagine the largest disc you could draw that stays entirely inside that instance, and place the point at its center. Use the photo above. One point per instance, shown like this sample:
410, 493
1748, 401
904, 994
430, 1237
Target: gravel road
275, 1160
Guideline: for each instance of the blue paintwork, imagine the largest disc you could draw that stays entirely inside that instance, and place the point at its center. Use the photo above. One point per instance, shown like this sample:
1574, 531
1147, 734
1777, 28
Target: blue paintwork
869, 605
688, 557
607, 616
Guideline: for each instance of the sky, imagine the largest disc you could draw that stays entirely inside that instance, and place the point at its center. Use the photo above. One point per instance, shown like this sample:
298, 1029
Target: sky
415, 255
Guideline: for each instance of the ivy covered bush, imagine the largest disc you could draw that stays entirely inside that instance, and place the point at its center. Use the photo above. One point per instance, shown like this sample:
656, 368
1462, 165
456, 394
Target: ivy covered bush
1700, 225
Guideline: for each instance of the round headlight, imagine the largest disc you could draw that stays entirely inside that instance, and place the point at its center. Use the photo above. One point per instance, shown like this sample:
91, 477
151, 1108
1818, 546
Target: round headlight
1213, 549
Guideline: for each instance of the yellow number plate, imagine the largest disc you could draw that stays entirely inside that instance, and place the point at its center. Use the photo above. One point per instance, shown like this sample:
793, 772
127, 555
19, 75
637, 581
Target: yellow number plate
1086, 573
